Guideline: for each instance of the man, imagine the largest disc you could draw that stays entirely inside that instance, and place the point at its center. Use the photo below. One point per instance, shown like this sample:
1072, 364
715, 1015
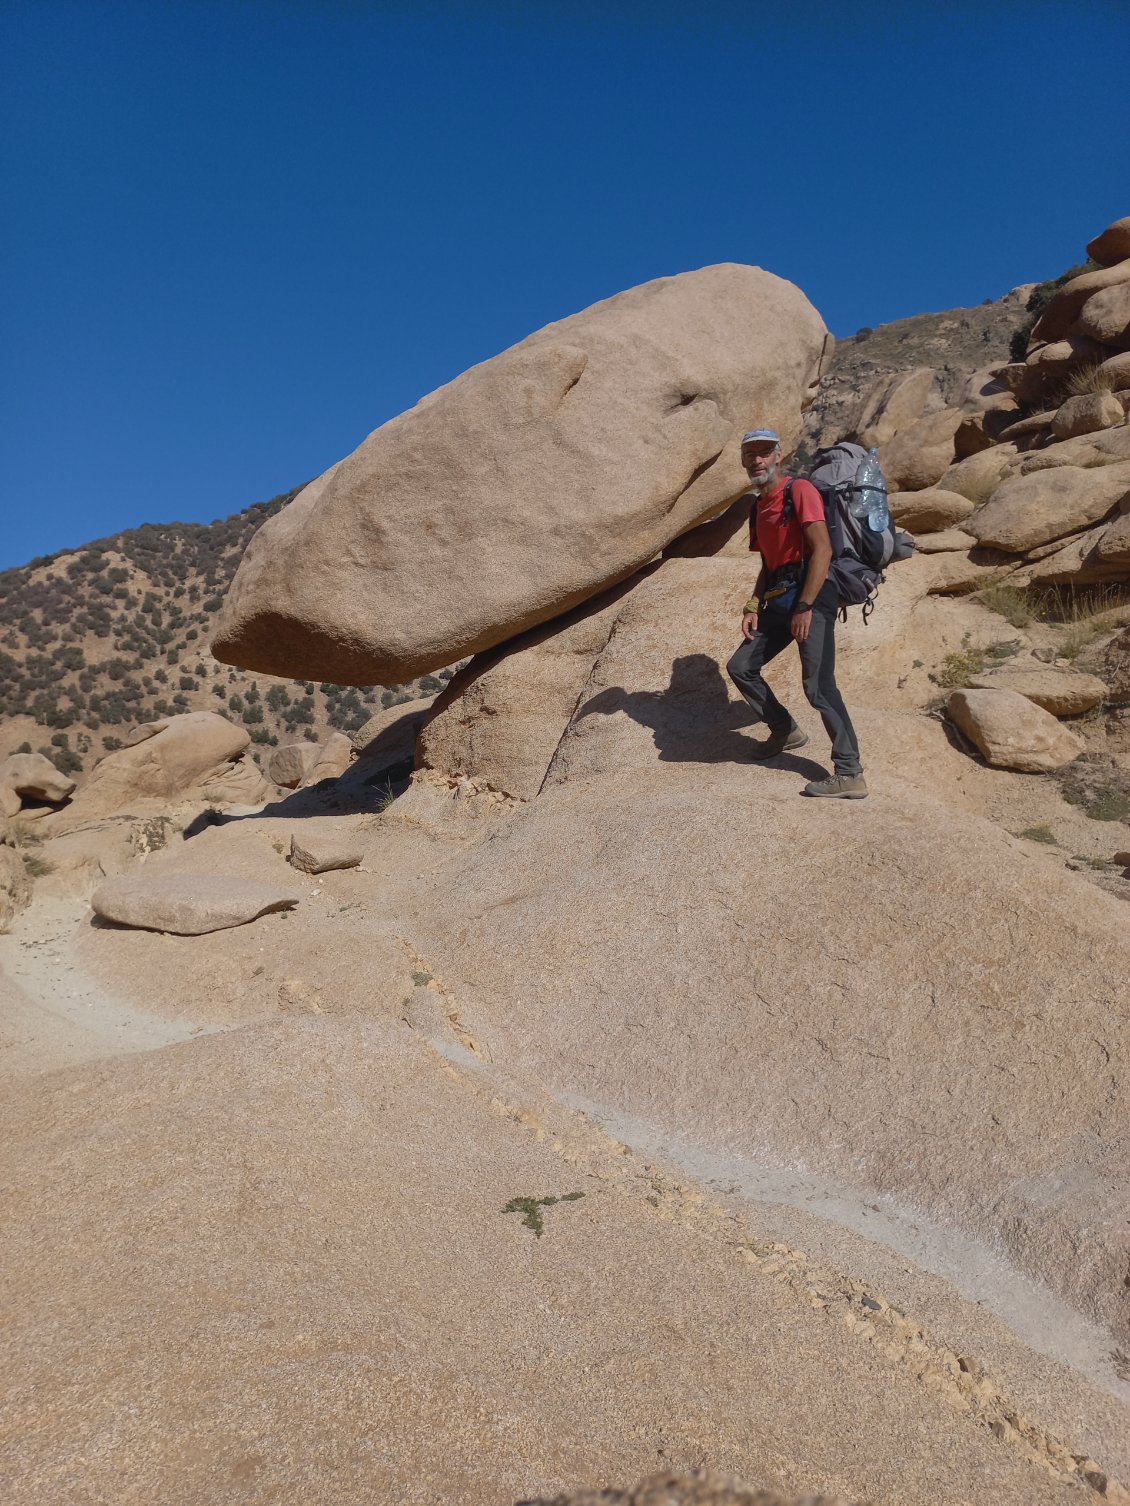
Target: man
793, 602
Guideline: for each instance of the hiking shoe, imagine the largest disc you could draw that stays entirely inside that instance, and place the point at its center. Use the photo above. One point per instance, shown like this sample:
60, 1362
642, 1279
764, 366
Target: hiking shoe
779, 742
838, 787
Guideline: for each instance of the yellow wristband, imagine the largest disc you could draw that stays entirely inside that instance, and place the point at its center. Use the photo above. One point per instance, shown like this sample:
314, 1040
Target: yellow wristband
753, 605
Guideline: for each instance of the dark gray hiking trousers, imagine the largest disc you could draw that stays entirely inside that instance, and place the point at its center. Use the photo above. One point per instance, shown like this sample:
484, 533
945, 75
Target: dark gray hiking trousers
818, 671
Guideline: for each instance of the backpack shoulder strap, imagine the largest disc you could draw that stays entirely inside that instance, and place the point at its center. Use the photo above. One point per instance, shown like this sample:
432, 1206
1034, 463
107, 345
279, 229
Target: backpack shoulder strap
788, 511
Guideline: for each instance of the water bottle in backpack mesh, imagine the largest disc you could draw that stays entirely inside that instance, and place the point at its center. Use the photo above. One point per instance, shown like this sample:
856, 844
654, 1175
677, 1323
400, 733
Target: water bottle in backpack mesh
870, 500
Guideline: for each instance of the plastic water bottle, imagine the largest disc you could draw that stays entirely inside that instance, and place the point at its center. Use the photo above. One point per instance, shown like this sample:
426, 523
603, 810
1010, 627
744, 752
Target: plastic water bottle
870, 500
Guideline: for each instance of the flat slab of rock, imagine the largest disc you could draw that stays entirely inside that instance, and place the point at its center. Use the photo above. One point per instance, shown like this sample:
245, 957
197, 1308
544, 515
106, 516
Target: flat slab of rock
931, 509
1063, 692
186, 904
529, 483
945, 541
1026, 511
1012, 732
317, 855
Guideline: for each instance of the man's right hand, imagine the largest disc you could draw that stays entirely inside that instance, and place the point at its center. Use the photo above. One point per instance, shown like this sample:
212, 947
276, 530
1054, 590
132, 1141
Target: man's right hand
749, 625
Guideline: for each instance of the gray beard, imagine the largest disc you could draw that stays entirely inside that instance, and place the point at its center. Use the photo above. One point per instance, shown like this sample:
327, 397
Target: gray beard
770, 481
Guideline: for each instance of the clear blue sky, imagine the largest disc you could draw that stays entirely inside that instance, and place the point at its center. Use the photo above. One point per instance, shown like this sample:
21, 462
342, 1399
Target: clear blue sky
240, 234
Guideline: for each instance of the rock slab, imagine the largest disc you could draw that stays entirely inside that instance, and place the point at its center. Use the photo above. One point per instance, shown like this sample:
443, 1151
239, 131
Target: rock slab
1063, 692
1012, 732
316, 855
529, 483
186, 904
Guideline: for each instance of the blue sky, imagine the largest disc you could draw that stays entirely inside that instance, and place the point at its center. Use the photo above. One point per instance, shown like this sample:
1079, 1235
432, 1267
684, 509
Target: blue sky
240, 234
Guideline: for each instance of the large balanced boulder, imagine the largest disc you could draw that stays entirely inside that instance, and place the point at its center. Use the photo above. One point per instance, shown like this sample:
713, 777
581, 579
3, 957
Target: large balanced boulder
186, 904
165, 759
529, 483
1012, 732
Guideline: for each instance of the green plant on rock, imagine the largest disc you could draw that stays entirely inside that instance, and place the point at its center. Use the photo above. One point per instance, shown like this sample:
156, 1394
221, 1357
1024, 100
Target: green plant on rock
530, 1209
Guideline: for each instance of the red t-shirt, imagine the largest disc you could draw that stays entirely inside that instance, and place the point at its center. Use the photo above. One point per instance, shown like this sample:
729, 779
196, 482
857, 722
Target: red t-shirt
780, 540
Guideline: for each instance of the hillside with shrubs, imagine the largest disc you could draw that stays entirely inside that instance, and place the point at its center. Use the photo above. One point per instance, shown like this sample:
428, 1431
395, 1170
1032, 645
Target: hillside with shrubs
96, 639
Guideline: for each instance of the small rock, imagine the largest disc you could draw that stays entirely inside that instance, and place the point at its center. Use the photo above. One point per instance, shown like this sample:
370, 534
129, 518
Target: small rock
1123, 858
313, 855
297, 997
35, 777
186, 904
1012, 732
290, 764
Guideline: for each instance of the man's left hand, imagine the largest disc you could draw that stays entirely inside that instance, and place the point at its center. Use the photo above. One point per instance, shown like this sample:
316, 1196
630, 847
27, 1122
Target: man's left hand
799, 624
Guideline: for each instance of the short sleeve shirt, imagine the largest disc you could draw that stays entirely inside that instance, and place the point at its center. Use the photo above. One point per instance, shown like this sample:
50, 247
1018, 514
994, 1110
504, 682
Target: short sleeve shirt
780, 539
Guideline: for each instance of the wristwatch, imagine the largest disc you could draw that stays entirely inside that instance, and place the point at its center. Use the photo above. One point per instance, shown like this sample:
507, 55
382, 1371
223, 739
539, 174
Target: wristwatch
802, 606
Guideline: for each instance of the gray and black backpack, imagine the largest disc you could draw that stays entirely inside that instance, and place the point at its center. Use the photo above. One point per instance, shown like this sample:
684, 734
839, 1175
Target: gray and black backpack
860, 553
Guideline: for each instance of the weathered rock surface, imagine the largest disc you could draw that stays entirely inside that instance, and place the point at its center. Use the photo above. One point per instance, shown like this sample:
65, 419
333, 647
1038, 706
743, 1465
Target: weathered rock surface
958, 574
389, 738
33, 777
1076, 563
290, 763
1116, 369
946, 541
1012, 732
930, 510
919, 456
1106, 316
172, 756
294, 1281
1026, 511
895, 403
978, 476
1087, 413
333, 758
442, 535
1058, 319
501, 717
321, 855
1063, 692
15, 886
186, 904
1113, 245
698, 1489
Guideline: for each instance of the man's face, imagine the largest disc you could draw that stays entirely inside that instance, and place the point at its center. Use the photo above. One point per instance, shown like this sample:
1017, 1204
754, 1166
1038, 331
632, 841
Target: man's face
762, 461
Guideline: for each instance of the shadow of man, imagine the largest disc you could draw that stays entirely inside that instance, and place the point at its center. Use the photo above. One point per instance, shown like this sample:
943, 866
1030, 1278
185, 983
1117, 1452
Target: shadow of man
694, 720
